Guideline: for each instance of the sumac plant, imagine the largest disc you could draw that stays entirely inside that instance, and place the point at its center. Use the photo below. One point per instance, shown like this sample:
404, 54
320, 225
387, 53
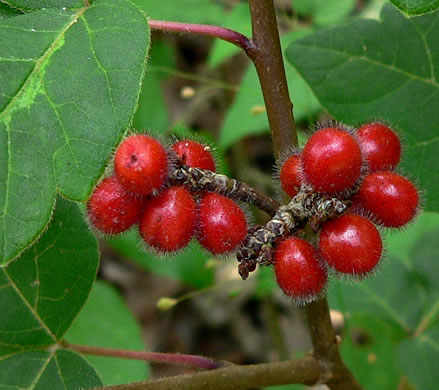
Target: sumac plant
96, 144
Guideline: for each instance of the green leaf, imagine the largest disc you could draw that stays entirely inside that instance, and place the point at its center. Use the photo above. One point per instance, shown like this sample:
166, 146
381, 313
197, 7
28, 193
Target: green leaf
95, 326
7, 12
42, 292
27, 5
384, 69
402, 291
191, 11
187, 266
418, 358
416, 7
41, 370
69, 83
324, 11
239, 20
247, 115
369, 351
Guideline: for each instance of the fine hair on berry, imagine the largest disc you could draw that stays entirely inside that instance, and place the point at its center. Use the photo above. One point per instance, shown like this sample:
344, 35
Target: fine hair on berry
194, 154
380, 145
290, 174
298, 271
332, 160
221, 224
351, 245
168, 220
111, 209
141, 164
390, 197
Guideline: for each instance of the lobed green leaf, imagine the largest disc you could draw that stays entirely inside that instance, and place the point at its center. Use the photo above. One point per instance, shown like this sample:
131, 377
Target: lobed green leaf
42, 292
386, 69
69, 84
42, 370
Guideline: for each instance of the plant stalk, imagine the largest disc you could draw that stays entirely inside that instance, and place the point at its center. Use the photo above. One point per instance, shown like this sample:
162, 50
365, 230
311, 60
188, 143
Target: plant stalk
267, 57
268, 60
306, 371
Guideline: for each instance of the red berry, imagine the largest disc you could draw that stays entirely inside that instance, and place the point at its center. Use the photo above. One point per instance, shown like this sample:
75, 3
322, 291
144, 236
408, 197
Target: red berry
297, 269
168, 221
380, 145
194, 154
141, 164
350, 244
332, 160
290, 175
390, 197
221, 224
111, 209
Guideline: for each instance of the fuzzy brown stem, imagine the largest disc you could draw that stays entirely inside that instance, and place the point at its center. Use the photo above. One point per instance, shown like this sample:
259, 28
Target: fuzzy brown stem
306, 371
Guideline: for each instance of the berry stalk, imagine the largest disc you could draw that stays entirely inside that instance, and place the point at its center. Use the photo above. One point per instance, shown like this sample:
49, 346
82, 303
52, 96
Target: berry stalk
196, 179
306, 206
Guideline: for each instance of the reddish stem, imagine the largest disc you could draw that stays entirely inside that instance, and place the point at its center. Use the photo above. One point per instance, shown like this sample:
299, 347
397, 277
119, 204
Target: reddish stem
156, 357
226, 34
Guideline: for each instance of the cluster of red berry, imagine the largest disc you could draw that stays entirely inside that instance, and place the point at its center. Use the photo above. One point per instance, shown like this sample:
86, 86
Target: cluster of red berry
350, 164
337, 166
168, 214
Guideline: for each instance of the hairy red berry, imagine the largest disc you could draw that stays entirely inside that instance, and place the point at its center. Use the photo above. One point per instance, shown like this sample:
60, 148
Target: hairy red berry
390, 197
141, 164
350, 244
221, 224
290, 175
194, 154
380, 145
332, 160
111, 209
168, 221
297, 269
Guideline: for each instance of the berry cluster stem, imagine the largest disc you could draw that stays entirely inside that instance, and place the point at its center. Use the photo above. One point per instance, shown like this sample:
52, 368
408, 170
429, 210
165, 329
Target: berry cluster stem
197, 179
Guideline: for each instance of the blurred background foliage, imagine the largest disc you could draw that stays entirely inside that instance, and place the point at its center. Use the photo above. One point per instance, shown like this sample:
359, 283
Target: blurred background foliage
207, 89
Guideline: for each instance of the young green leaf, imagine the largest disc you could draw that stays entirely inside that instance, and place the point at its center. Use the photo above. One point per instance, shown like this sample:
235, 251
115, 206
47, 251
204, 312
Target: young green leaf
386, 69
69, 84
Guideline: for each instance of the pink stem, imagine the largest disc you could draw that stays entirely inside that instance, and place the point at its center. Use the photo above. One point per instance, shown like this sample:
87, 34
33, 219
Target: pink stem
226, 34
156, 357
